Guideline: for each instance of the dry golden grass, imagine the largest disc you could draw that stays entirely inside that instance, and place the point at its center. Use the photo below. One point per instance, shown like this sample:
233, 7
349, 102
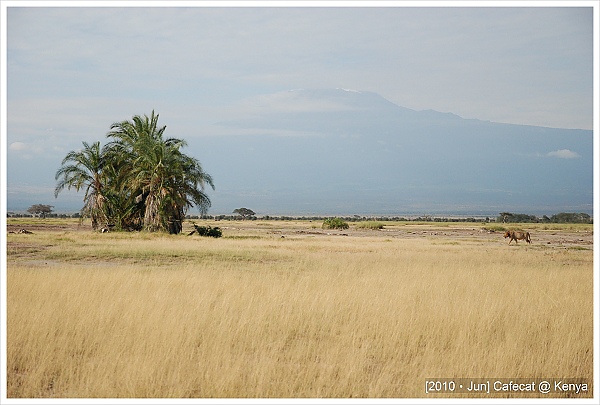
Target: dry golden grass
137, 315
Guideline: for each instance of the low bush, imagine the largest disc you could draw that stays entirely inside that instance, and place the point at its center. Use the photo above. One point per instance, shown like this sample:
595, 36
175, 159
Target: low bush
335, 223
208, 231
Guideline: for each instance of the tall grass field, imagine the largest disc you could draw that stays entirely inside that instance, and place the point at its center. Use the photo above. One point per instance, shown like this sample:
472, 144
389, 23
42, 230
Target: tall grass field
276, 312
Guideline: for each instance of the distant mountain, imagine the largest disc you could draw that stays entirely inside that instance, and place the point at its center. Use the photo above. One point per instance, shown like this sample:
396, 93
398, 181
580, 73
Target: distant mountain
339, 151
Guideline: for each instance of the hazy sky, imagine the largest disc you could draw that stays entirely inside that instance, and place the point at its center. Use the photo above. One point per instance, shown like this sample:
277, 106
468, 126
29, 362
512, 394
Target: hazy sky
72, 71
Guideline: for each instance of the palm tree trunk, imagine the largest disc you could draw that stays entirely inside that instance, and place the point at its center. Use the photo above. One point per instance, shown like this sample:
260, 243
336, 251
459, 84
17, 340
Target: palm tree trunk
152, 213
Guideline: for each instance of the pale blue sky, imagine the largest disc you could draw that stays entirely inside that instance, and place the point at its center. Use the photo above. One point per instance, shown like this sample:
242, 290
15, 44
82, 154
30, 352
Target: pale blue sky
72, 71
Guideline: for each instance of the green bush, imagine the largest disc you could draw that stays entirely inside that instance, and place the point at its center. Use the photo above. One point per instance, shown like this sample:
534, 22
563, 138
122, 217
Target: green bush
335, 223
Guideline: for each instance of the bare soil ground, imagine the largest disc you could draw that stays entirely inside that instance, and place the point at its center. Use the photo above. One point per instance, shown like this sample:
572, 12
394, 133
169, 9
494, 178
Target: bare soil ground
54, 226
556, 237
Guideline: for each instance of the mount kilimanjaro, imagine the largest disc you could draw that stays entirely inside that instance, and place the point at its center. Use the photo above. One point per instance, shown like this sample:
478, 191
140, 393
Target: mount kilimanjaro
338, 151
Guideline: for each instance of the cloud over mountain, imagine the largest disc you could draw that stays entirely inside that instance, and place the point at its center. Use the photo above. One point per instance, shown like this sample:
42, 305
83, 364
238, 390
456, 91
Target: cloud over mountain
17, 146
564, 154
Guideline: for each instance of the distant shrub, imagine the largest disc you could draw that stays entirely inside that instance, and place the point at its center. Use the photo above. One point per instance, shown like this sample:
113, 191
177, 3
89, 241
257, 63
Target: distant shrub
209, 231
571, 218
370, 225
561, 218
507, 217
335, 223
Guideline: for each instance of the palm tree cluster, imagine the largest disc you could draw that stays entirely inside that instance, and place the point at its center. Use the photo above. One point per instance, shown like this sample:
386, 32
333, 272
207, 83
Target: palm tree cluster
138, 180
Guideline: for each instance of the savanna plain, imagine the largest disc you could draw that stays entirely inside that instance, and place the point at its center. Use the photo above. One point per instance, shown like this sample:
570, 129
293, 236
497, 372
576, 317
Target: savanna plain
285, 309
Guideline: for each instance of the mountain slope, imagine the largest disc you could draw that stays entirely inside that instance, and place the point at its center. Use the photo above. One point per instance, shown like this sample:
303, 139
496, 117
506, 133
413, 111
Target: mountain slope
336, 151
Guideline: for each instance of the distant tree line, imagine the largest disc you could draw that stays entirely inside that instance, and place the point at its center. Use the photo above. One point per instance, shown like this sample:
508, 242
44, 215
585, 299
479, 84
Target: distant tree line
51, 215
561, 218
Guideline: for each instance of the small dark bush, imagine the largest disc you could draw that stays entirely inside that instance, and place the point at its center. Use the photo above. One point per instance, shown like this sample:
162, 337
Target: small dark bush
208, 231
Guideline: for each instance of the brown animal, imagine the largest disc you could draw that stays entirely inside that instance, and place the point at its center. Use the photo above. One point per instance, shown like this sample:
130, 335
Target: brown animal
517, 235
